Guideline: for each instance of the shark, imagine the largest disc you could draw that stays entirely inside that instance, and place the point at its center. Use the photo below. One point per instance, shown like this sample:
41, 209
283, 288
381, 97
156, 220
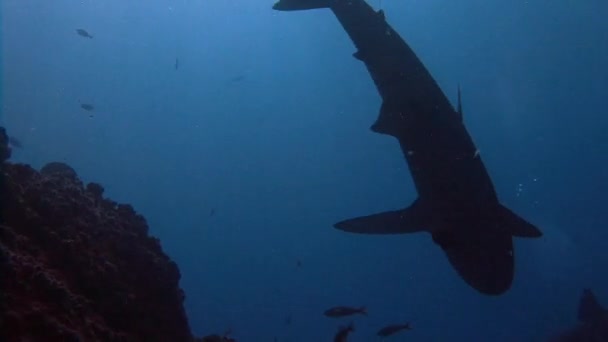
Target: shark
457, 203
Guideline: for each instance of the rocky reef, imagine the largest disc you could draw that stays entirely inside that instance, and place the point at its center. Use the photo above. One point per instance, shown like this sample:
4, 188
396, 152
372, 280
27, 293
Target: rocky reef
75, 266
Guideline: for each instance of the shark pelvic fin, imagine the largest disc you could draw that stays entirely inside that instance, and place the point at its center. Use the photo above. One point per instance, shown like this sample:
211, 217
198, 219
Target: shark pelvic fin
389, 121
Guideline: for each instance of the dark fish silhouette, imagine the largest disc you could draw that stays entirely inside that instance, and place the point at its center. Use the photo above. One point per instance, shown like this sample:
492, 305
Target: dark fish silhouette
593, 322
457, 203
393, 329
238, 78
14, 142
88, 107
342, 334
342, 311
176, 63
84, 33
212, 212
288, 319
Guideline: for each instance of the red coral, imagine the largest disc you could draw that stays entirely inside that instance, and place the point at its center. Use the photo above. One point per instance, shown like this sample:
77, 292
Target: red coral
76, 267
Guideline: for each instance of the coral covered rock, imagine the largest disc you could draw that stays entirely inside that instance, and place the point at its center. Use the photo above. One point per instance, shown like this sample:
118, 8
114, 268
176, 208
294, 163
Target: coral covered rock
76, 267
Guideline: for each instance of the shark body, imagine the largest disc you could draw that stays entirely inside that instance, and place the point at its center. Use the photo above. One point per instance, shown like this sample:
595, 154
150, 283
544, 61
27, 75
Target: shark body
456, 203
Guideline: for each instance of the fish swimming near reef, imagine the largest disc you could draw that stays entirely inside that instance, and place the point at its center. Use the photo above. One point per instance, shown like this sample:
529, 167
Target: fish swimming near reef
84, 33
390, 330
456, 203
593, 322
342, 311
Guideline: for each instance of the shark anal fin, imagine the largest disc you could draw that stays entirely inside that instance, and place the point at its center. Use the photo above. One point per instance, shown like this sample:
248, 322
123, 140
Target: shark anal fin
409, 220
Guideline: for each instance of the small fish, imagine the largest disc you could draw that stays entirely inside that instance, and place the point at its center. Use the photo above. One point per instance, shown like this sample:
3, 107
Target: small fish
14, 142
299, 263
84, 33
238, 78
212, 212
342, 334
341, 311
288, 319
393, 329
88, 107
176, 63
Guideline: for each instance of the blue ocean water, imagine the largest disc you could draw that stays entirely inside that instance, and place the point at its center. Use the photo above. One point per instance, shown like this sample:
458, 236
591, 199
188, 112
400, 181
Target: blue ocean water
244, 156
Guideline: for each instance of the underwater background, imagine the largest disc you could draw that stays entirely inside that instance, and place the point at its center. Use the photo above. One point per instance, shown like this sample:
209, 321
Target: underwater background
244, 154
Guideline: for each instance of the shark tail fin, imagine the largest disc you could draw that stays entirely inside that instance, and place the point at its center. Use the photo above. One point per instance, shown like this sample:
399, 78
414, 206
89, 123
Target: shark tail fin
299, 5
408, 220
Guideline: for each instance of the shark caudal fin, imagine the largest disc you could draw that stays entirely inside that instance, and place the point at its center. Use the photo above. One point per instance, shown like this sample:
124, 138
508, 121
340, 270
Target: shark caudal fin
408, 220
298, 5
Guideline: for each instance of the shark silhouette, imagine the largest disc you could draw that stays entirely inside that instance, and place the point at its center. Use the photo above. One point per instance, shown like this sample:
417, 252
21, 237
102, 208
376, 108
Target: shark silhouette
456, 203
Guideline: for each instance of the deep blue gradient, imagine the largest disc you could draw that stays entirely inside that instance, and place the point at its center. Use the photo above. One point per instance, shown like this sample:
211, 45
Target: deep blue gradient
266, 122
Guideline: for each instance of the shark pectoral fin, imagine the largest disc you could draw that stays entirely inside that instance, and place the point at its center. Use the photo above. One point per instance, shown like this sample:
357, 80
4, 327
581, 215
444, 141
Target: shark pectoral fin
409, 220
516, 225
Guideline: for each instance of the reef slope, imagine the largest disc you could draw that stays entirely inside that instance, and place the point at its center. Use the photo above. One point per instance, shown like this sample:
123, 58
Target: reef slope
75, 266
